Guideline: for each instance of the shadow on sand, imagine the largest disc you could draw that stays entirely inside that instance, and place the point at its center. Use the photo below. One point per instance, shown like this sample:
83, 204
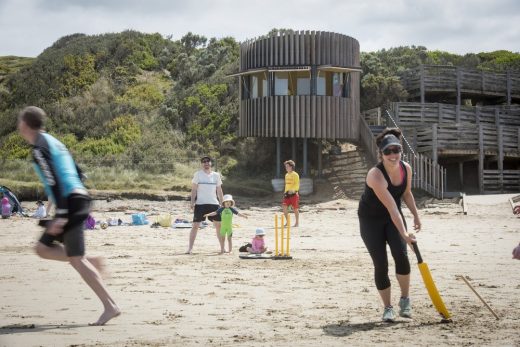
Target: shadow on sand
344, 328
35, 328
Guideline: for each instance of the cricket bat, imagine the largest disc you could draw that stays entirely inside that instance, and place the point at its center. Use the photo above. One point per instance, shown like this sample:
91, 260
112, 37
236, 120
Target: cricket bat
430, 285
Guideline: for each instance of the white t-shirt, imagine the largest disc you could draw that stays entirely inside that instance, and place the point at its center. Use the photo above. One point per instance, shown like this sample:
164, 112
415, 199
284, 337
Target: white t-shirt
207, 187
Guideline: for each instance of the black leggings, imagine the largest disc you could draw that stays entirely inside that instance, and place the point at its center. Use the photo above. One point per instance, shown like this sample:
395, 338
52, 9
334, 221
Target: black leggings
376, 233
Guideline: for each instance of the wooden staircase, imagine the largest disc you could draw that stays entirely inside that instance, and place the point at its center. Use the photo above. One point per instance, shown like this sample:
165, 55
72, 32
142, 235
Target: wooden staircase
347, 171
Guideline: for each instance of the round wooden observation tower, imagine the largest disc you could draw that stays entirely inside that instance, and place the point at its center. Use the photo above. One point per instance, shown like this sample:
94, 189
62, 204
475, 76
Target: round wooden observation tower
300, 85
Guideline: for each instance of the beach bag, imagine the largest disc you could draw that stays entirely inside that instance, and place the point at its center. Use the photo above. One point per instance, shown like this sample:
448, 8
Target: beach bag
90, 222
113, 222
139, 219
244, 247
165, 220
6, 209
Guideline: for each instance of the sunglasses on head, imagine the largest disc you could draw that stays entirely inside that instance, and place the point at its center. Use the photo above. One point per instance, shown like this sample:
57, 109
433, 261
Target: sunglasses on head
390, 150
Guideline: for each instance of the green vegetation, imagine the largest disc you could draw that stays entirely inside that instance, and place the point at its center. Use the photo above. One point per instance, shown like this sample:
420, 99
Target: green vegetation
136, 109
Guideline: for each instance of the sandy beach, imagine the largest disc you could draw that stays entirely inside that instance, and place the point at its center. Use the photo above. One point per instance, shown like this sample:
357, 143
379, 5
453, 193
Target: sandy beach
324, 296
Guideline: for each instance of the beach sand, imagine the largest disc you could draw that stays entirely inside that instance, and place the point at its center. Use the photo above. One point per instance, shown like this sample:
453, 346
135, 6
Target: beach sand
324, 296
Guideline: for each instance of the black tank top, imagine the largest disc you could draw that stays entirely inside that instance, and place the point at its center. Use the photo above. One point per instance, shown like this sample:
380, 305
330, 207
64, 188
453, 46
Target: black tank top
371, 206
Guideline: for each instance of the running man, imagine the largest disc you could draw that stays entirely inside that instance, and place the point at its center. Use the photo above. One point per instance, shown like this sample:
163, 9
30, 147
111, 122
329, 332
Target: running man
63, 239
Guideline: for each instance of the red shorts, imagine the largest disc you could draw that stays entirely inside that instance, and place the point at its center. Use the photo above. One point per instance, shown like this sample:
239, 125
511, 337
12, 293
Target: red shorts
292, 201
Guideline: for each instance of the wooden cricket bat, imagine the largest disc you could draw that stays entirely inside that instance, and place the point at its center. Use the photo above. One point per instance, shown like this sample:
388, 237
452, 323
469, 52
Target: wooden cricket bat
430, 285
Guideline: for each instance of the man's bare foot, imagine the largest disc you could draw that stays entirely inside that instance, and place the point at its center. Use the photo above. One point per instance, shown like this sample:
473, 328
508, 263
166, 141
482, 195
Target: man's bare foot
188, 252
107, 315
295, 225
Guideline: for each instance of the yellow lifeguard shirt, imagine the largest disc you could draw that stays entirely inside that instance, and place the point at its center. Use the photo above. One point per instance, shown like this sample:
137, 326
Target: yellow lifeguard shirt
292, 181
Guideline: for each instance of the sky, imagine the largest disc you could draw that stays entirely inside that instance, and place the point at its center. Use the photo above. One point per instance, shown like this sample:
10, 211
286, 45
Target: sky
27, 27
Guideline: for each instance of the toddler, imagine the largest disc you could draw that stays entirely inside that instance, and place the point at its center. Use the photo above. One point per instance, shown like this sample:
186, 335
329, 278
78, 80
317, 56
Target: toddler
258, 243
41, 212
226, 213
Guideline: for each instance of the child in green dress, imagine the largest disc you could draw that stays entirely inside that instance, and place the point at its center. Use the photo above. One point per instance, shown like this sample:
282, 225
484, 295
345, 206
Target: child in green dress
226, 213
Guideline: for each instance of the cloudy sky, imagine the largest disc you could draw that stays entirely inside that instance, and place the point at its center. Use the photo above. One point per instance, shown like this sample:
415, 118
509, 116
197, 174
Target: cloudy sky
27, 27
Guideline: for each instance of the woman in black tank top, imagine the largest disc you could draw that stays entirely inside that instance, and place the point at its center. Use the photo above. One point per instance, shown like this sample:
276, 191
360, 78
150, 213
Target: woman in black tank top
381, 220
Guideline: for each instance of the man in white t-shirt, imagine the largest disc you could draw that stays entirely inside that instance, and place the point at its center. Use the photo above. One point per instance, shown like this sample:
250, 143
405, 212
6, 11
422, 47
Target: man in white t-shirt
206, 197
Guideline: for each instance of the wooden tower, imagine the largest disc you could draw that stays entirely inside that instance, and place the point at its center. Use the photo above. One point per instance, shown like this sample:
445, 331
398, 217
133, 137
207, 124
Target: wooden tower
300, 85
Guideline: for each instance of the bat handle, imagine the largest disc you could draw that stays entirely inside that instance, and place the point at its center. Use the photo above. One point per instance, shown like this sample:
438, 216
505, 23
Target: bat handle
417, 253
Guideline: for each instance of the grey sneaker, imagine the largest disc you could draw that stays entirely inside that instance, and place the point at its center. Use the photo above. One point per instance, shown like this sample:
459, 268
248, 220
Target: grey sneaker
405, 309
389, 315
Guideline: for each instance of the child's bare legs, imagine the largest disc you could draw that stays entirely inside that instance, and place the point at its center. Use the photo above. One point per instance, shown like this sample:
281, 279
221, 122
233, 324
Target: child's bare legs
285, 213
230, 243
250, 250
221, 239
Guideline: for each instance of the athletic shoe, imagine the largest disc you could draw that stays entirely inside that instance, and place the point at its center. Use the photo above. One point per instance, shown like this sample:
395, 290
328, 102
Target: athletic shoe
405, 309
389, 315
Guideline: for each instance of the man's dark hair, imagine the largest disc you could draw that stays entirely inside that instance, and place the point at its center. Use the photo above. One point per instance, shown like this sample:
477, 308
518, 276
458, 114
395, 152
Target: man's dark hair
33, 116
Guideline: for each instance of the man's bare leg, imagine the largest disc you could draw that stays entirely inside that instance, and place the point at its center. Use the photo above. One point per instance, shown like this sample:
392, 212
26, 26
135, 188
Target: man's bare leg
89, 269
193, 235
91, 276
296, 217
57, 252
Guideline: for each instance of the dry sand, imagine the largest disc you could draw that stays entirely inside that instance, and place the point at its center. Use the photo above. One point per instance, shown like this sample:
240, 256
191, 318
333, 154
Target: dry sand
324, 296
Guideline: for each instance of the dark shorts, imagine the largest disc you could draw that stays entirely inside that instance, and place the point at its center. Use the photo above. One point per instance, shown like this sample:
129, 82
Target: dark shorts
72, 236
201, 210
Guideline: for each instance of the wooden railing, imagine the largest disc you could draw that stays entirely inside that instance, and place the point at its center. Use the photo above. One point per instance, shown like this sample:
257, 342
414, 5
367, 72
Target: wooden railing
497, 181
368, 141
415, 113
444, 78
427, 174
439, 138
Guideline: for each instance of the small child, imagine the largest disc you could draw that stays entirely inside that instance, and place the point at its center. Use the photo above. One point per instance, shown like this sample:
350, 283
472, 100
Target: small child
258, 243
226, 215
6, 208
41, 212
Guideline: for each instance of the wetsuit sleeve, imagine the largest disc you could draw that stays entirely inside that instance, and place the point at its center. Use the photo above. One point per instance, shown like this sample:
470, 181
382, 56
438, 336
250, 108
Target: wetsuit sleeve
233, 210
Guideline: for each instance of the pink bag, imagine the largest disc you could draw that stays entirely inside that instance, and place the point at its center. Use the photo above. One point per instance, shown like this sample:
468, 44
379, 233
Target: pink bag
6, 207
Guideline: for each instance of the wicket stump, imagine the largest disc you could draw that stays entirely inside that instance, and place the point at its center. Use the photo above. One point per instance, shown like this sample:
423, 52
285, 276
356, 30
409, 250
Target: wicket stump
280, 239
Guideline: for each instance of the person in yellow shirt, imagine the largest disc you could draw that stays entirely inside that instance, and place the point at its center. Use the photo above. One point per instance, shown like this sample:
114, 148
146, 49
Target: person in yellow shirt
290, 195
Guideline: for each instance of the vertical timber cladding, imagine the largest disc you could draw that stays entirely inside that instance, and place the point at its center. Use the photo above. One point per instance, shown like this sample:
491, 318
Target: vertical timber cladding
300, 116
